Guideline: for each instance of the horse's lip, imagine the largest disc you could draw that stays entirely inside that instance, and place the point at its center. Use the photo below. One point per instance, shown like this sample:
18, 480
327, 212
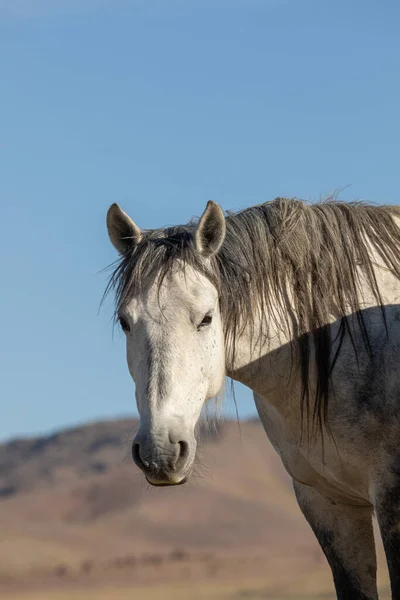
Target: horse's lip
166, 483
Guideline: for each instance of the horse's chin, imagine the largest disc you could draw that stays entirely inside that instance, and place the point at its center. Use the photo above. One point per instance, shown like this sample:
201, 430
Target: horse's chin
171, 483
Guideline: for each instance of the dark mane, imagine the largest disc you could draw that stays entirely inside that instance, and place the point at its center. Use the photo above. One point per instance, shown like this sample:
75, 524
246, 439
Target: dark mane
312, 253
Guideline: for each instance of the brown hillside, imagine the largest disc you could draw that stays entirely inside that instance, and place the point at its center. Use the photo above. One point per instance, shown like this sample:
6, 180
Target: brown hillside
73, 505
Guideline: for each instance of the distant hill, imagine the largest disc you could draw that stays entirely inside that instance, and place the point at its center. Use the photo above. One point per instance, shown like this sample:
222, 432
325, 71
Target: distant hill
74, 501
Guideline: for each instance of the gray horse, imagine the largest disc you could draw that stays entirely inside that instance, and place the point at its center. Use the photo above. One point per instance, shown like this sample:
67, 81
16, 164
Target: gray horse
300, 303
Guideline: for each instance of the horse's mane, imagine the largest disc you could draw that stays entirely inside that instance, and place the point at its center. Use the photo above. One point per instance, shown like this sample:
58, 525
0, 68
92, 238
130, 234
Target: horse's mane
311, 253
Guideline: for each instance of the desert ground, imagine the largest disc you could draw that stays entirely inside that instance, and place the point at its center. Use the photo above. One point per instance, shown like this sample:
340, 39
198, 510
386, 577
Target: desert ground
78, 522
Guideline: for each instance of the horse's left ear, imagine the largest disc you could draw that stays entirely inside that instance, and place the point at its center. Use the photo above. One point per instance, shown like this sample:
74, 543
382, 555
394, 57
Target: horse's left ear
210, 232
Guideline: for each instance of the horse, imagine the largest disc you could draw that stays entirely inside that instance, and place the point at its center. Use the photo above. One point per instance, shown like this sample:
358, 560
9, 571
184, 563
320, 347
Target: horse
299, 302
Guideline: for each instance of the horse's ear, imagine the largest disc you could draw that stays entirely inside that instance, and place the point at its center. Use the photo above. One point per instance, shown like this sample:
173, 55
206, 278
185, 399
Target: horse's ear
210, 232
123, 232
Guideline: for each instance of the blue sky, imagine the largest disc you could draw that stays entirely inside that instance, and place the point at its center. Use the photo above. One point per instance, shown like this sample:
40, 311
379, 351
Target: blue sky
161, 105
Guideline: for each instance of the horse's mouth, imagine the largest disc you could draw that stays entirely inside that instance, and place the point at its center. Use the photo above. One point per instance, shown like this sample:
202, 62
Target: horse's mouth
166, 483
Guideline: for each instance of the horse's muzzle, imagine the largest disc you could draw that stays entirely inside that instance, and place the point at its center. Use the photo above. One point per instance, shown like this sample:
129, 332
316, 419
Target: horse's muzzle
163, 461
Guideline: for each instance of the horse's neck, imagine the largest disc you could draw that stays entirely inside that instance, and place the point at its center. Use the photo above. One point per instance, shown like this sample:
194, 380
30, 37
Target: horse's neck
265, 364
269, 365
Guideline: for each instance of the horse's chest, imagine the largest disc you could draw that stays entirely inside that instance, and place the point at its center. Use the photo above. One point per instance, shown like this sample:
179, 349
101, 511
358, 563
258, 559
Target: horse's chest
331, 475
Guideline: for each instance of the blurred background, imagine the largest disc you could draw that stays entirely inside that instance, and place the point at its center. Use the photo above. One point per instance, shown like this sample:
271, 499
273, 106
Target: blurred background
160, 105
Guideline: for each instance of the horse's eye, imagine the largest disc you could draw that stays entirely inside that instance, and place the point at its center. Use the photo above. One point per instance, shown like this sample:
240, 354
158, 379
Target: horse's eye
124, 324
207, 320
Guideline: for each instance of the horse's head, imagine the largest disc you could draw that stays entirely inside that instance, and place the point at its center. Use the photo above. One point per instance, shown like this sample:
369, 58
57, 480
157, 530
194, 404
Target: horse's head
174, 335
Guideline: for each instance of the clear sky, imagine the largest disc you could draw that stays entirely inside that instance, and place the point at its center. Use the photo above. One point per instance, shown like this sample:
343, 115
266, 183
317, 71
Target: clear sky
161, 105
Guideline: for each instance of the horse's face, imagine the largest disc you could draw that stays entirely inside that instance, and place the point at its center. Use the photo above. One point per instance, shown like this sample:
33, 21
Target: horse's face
175, 354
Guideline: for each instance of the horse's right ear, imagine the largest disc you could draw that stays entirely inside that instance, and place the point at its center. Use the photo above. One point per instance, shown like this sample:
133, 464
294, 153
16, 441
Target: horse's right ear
123, 232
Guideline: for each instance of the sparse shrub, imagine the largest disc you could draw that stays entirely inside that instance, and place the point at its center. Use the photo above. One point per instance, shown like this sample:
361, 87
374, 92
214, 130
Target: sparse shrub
124, 561
130, 561
86, 566
61, 570
179, 555
153, 559
98, 466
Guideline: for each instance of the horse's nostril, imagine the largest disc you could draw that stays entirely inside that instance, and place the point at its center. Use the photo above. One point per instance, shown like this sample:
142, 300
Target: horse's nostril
184, 449
136, 456
182, 454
